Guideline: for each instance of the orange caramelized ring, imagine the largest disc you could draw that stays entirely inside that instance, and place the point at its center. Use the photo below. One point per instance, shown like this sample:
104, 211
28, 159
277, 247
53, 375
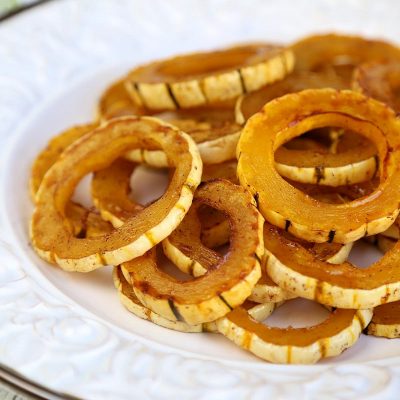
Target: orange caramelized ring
285, 206
51, 237
227, 285
342, 285
291, 345
196, 79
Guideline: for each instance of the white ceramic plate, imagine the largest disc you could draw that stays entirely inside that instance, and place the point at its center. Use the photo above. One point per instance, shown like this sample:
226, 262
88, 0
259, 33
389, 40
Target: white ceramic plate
68, 332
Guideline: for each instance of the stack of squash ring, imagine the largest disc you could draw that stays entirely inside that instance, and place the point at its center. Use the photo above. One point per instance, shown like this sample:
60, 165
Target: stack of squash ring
283, 157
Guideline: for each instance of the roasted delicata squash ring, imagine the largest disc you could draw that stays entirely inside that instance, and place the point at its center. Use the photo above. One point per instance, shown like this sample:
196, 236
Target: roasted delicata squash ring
290, 345
212, 128
48, 156
343, 285
115, 102
50, 235
380, 80
186, 250
287, 207
129, 300
196, 79
214, 294
267, 290
340, 53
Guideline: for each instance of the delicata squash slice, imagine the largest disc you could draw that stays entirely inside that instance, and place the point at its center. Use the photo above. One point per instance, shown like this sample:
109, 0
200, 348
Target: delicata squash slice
211, 296
285, 206
212, 128
290, 345
380, 80
129, 300
196, 79
267, 290
343, 285
50, 235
